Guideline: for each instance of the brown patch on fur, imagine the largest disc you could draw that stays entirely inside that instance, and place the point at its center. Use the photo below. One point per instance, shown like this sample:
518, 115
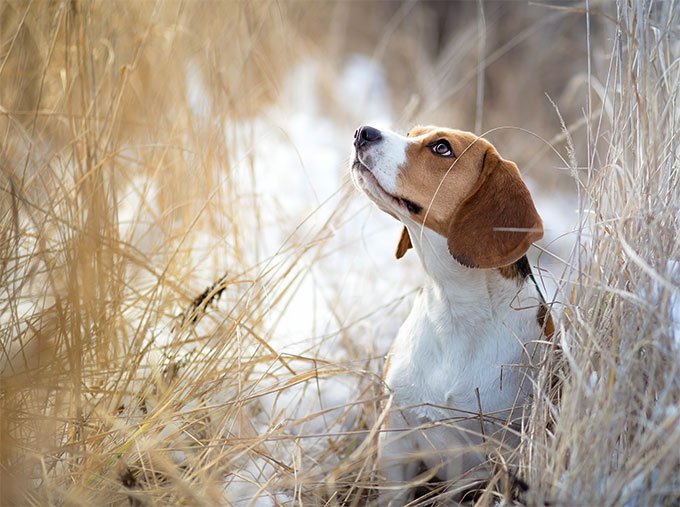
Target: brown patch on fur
404, 243
469, 196
518, 270
545, 320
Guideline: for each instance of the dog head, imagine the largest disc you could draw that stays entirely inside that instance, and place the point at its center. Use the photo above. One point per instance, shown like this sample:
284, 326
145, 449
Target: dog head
454, 183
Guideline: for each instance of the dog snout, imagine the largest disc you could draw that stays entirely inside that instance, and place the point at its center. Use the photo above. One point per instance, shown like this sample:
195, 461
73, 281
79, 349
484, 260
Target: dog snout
366, 135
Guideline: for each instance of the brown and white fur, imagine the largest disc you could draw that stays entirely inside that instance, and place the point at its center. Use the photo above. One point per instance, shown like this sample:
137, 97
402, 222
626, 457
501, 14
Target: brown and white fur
467, 344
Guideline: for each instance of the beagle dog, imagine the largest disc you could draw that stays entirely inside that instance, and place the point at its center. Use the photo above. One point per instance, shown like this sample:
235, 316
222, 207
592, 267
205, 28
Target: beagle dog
456, 373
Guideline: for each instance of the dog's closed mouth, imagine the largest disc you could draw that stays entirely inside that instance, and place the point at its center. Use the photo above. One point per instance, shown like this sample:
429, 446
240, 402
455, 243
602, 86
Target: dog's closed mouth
401, 201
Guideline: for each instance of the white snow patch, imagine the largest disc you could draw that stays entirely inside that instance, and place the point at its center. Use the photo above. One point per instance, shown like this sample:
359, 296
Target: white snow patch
197, 94
363, 89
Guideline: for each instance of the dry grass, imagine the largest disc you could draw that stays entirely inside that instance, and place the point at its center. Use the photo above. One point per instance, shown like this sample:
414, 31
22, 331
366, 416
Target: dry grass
125, 195
617, 429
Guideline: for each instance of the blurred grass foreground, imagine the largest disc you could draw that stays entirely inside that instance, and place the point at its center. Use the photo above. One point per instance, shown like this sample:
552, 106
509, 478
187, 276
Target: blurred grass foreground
195, 305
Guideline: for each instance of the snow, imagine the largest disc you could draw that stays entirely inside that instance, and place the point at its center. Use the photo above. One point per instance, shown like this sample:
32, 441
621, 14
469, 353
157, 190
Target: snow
363, 89
302, 180
197, 95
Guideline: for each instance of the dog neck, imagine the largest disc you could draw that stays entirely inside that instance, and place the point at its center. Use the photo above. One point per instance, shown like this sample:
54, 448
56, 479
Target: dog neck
466, 291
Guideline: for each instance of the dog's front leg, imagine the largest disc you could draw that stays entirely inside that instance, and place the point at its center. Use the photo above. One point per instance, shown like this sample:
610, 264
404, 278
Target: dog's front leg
397, 461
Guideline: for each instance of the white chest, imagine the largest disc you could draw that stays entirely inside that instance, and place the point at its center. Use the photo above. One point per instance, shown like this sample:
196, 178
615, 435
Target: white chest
447, 362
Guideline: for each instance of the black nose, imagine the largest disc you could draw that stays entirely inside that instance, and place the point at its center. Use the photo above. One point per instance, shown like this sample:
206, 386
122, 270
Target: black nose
364, 135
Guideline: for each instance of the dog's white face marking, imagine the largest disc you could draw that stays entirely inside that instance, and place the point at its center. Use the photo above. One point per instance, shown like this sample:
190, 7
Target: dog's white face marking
375, 170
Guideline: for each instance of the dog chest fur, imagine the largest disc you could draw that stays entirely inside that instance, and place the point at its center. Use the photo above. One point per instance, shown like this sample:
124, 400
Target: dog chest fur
461, 336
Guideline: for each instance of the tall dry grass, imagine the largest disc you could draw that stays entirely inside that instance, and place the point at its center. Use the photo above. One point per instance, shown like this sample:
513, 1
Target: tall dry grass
616, 430
110, 183
125, 381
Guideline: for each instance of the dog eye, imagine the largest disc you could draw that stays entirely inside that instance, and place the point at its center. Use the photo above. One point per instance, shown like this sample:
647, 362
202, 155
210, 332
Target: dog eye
441, 148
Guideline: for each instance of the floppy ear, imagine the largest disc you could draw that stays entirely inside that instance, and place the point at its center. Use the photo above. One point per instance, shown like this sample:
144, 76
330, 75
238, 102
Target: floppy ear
497, 220
404, 243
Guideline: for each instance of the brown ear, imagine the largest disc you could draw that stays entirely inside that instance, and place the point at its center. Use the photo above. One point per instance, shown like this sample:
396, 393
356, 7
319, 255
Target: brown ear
404, 243
497, 221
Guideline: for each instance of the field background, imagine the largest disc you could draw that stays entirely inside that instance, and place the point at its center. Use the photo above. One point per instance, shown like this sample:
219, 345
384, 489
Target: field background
195, 302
